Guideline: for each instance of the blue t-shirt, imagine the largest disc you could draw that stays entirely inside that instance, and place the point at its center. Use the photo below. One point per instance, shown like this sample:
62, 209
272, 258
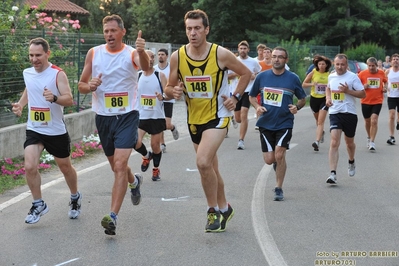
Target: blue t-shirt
277, 92
310, 69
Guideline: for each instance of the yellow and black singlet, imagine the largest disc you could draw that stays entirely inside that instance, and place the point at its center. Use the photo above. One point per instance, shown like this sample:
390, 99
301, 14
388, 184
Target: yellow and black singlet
204, 84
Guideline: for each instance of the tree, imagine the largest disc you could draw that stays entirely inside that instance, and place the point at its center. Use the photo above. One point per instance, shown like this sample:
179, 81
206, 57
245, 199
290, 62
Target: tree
160, 20
230, 19
330, 22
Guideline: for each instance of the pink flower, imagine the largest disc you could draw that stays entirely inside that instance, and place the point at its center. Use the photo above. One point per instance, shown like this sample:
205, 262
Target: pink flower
82, 40
65, 21
48, 19
68, 15
33, 7
60, 46
8, 160
33, 26
63, 29
71, 21
76, 26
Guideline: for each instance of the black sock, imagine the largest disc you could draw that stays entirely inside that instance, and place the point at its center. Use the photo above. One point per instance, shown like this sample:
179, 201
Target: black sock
334, 172
352, 162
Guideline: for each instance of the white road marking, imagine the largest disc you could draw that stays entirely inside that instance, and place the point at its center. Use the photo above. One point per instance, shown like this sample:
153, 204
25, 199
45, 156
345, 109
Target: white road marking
259, 220
66, 262
183, 198
191, 170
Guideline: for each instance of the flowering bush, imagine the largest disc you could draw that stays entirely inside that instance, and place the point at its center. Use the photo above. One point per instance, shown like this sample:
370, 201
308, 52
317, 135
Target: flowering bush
19, 24
15, 167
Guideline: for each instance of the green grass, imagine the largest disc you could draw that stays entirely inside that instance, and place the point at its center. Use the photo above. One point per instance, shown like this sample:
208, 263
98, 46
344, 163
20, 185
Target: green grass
8, 182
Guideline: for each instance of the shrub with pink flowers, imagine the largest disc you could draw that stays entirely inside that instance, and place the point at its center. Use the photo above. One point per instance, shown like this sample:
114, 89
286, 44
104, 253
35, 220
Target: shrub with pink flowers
19, 24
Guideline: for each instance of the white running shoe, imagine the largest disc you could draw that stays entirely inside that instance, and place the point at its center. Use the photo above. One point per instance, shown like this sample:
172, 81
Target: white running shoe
368, 143
241, 145
332, 179
163, 148
175, 133
234, 122
372, 147
35, 212
74, 207
351, 169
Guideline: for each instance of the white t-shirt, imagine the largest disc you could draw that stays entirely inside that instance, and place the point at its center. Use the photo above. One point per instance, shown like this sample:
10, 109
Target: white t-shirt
147, 103
166, 71
253, 66
343, 102
117, 93
44, 117
393, 84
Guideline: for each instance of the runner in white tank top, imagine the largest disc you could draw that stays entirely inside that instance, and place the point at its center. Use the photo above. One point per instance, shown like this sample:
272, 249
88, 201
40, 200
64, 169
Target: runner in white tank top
47, 92
110, 73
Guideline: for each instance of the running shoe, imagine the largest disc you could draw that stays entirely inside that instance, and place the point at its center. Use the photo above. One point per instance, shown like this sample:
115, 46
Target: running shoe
155, 174
175, 133
146, 162
368, 143
372, 147
241, 145
74, 207
332, 179
351, 169
256, 128
135, 194
163, 147
278, 194
36, 211
322, 137
226, 217
234, 122
315, 146
214, 219
391, 140
109, 224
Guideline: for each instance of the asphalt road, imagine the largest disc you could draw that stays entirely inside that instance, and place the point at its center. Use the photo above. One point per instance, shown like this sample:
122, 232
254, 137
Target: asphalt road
316, 224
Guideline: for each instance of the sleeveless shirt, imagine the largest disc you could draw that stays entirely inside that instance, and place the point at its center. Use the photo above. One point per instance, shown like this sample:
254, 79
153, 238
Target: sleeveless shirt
393, 84
118, 92
44, 117
148, 104
204, 84
319, 91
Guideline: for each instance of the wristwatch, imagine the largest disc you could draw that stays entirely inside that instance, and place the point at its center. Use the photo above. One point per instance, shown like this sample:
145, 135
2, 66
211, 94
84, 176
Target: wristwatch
237, 96
55, 98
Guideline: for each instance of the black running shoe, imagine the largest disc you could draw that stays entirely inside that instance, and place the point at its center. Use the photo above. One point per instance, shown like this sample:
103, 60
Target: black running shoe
146, 162
109, 224
213, 221
135, 194
226, 217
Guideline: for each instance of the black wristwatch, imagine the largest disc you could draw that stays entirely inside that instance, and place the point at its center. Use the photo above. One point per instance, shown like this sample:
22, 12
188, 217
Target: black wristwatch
237, 96
55, 98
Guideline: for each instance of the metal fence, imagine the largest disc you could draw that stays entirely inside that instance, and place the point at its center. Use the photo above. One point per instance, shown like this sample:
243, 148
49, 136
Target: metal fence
68, 51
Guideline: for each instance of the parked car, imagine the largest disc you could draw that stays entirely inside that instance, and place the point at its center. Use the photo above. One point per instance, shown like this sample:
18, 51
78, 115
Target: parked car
354, 66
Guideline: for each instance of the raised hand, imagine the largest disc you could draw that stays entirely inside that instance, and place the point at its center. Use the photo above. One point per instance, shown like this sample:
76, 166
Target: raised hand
140, 42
